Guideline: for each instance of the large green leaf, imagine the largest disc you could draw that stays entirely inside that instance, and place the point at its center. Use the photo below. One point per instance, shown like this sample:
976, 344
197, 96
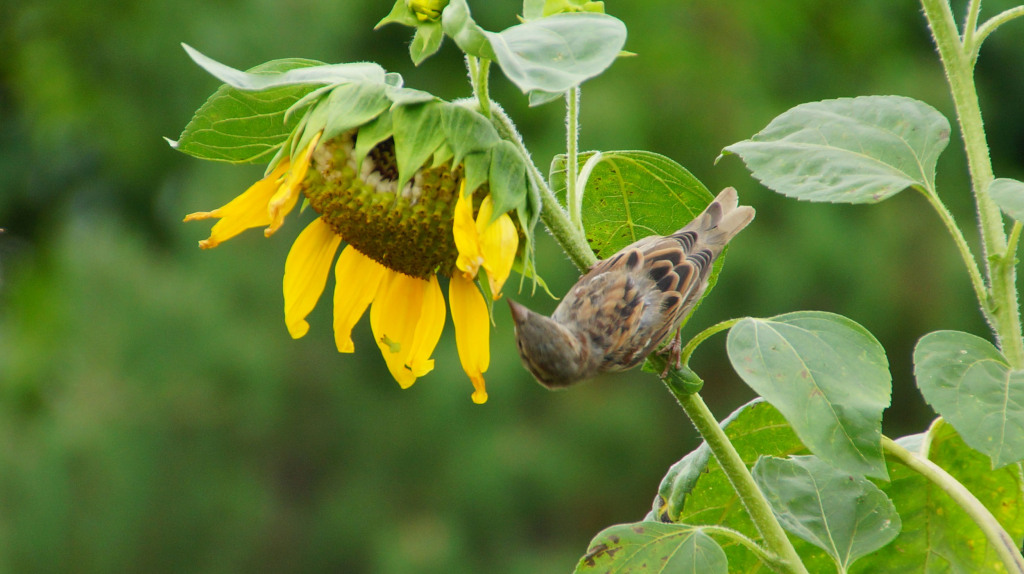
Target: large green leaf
938, 536
556, 53
849, 150
653, 547
845, 515
245, 127
969, 382
632, 194
696, 491
827, 375
1009, 196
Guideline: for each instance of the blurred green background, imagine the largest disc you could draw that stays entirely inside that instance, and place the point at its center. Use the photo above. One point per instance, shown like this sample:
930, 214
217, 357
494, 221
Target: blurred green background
155, 416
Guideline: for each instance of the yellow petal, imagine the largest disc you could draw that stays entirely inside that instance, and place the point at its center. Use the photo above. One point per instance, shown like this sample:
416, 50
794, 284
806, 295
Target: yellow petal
472, 332
287, 194
393, 318
305, 273
246, 211
428, 329
499, 243
357, 280
466, 237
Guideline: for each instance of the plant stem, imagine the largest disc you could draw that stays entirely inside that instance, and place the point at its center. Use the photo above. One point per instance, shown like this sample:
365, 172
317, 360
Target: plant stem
692, 344
958, 62
997, 537
573, 196
980, 291
571, 239
990, 26
742, 482
479, 71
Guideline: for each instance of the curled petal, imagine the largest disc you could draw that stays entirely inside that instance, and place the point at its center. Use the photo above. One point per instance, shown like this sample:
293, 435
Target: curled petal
357, 281
287, 194
467, 240
246, 211
394, 315
472, 332
499, 243
305, 273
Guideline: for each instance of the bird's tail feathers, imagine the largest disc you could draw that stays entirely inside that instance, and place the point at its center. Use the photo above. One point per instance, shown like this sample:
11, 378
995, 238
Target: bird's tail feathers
722, 219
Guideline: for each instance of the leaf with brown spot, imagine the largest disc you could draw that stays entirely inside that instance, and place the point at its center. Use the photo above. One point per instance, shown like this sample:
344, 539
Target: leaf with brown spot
632, 548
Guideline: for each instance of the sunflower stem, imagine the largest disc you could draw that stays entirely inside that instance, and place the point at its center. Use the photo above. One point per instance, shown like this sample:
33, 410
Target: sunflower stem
479, 71
571, 239
742, 482
958, 62
573, 195
997, 537
692, 344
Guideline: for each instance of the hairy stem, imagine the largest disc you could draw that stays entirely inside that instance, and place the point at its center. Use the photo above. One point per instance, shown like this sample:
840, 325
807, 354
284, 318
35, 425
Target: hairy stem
958, 62
573, 195
997, 537
479, 71
742, 482
692, 344
571, 239
980, 291
990, 26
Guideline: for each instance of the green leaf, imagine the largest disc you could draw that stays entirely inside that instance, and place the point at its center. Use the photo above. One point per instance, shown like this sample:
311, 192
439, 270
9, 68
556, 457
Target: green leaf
460, 27
849, 150
467, 131
827, 375
969, 382
554, 54
372, 134
400, 96
751, 419
845, 515
347, 107
507, 178
418, 133
400, 14
317, 75
632, 194
938, 536
539, 98
478, 168
1009, 196
245, 127
426, 41
696, 491
653, 547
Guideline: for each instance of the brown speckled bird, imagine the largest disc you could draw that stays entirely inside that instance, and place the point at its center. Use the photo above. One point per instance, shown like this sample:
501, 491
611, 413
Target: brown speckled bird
626, 305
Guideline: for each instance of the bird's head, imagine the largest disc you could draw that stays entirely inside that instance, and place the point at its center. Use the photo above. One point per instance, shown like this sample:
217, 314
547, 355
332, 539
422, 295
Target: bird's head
552, 352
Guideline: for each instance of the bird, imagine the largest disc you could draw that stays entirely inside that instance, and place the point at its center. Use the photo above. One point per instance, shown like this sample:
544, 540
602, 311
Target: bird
625, 306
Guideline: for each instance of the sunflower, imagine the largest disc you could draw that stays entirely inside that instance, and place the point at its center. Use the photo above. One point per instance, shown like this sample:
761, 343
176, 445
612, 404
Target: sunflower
400, 236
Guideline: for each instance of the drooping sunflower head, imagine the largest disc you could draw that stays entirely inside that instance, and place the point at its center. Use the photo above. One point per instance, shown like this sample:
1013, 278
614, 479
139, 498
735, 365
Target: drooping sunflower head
418, 189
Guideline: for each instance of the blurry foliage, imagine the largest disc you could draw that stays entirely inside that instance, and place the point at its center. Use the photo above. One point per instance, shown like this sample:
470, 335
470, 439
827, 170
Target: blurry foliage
156, 417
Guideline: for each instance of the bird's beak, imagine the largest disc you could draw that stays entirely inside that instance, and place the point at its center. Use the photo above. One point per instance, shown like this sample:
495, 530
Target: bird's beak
519, 313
